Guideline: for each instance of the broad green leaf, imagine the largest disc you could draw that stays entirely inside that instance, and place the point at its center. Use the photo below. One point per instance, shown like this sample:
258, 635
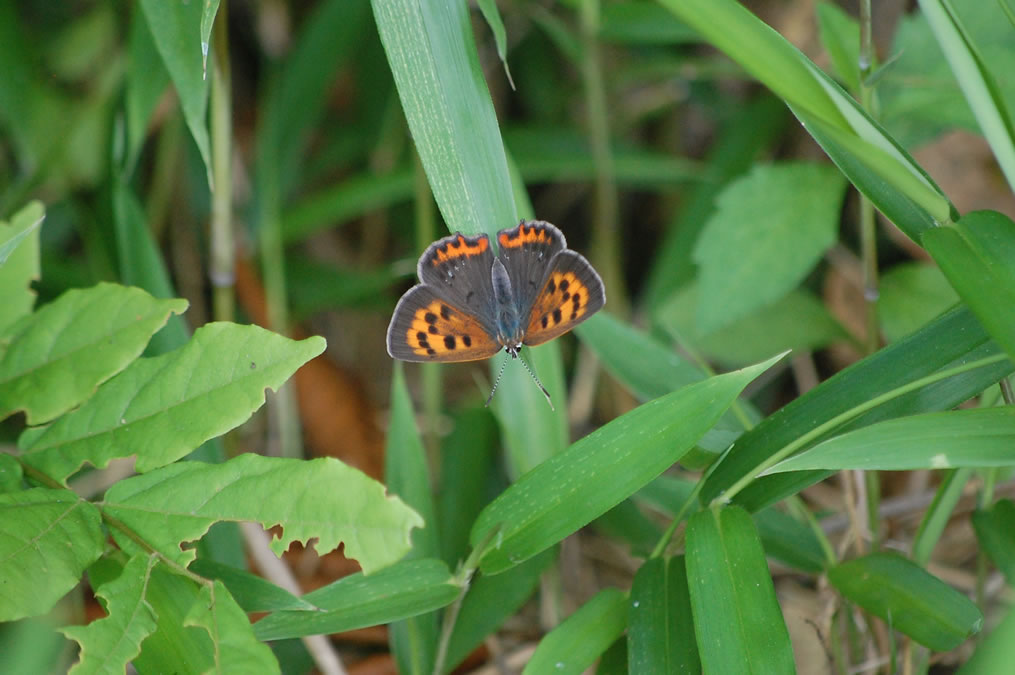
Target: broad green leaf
575, 486
491, 601
253, 593
432, 54
109, 644
942, 440
575, 644
995, 530
146, 82
909, 598
175, 28
47, 539
329, 500
911, 295
978, 257
405, 589
235, 647
951, 340
19, 264
790, 541
58, 356
737, 619
973, 74
660, 631
647, 367
870, 158
162, 408
413, 640
784, 212
798, 321
840, 36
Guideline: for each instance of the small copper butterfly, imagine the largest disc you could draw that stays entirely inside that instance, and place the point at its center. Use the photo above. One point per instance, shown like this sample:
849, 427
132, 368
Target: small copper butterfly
470, 304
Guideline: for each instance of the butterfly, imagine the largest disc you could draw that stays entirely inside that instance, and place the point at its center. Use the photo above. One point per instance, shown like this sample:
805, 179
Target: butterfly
471, 304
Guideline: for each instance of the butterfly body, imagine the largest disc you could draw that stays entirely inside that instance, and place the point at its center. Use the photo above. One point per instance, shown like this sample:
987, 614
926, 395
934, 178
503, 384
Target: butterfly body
470, 304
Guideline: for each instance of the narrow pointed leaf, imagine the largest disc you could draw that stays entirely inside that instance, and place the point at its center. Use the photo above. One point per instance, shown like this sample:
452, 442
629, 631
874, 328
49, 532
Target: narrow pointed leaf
737, 618
909, 598
575, 644
162, 408
253, 593
47, 539
575, 486
959, 438
660, 632
995, 530
405, 589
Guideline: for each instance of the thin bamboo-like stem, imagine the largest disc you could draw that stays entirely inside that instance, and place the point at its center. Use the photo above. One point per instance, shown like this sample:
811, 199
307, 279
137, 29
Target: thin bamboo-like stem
222, 247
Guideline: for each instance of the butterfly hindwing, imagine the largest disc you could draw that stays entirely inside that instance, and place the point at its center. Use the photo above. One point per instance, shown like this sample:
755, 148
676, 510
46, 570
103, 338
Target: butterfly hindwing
458, 268
571, 293
426, 327
526, 251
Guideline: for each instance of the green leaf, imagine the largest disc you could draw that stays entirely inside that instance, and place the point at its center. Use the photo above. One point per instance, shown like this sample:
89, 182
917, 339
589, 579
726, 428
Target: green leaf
58, 356
19, 264
178, 503
433, 58
911, 295
797, 321
953, 339
253, 593
996, 652
995, 530
737, 618
977, 83
211, 8
942, 440
575, 486
660, 632
642, 23
977, 256
785, 212
176, 29
909, 598
840, 36
235, 647
574, 645
405, 589
109, 644
10, 474
492, 16
47, 539
790, 541
492, 600
164, 407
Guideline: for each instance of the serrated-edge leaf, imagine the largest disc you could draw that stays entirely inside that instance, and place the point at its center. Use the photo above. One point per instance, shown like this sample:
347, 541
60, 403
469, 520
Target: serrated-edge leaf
59, 355
164, 407
334, 503
47, 539
573, 487
235, 648
109, 644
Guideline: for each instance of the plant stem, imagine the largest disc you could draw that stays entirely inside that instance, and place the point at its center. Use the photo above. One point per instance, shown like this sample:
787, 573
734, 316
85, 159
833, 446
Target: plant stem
222, 246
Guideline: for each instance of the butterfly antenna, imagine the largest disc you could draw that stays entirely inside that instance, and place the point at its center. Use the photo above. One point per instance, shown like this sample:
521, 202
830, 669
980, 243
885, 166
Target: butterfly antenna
496, 382
538, 383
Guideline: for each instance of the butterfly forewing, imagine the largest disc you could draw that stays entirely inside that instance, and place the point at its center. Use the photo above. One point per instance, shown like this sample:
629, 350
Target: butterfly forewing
526, 251
572, 292
426, 327
457, 268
